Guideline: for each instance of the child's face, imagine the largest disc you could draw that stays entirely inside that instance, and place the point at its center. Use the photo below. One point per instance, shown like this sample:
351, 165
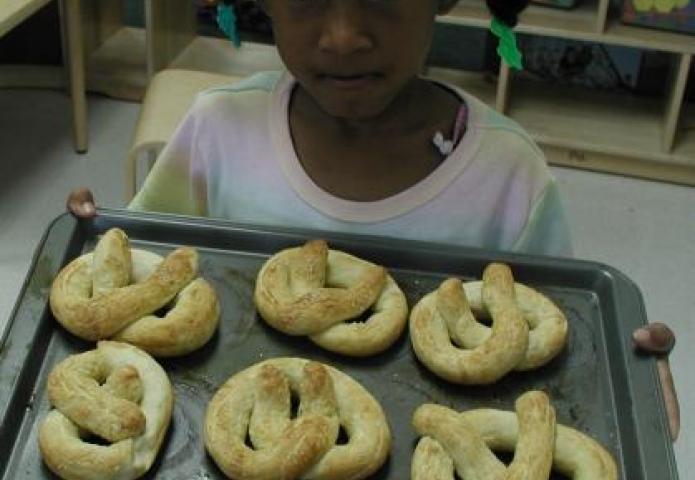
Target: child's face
353, 56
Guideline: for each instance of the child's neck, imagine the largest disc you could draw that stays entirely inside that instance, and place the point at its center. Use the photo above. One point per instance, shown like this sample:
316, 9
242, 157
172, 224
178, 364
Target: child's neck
402, 115
373, 159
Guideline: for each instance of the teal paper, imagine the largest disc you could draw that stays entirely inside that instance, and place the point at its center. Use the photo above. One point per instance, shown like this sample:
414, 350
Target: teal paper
226, 20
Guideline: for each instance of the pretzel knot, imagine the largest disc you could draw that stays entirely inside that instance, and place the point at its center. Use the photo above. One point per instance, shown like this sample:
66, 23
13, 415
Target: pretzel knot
314, 291
115, 291
258, 402
463, 443
528, 330
117, 393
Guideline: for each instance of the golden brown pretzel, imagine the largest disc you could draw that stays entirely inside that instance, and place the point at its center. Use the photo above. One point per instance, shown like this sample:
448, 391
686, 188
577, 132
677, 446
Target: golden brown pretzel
528, 330
114, 292
312, 291
258, 401
463, 443
117, 393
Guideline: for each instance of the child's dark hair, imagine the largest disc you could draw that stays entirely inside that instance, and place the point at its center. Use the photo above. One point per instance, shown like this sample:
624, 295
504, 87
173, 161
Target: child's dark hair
507, 10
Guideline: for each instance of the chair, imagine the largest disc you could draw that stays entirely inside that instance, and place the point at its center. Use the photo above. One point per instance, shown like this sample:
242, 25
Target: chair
169, 95
14, 12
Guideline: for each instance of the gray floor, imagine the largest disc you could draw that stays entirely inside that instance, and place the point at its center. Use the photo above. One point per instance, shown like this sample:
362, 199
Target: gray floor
645, 229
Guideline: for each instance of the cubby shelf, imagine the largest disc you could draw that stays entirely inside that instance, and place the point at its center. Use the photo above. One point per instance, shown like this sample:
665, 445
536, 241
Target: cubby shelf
119, 68
15, 11
604, 131
612, 132
585, 22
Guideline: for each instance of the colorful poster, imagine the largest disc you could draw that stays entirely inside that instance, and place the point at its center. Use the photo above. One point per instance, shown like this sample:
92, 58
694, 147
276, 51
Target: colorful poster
676, 15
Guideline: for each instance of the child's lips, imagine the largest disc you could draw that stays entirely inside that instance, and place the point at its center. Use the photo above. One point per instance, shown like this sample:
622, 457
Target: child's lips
351, 81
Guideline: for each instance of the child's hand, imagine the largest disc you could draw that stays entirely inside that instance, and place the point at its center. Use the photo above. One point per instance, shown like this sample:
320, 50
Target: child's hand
81, 203
658, 339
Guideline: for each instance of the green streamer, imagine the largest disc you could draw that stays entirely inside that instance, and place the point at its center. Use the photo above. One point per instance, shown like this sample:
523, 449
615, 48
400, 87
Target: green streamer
226, 20
507, 49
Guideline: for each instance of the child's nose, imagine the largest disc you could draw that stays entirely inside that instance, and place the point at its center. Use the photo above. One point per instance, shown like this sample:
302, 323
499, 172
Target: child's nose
344, 30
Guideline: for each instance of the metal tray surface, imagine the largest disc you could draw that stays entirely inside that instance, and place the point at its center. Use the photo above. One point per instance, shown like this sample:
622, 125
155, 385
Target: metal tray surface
597, 384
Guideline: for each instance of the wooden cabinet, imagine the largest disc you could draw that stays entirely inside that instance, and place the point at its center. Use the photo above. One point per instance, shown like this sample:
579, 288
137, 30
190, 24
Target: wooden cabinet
612, 132
122, 59
12, 13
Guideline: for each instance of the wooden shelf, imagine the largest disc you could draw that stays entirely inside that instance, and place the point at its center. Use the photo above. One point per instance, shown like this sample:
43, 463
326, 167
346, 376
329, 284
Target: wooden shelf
218, 55
118, 67
620, 133
579, 118
685, 142
647, 38
13, 12
601, 131
605, 131
582, 23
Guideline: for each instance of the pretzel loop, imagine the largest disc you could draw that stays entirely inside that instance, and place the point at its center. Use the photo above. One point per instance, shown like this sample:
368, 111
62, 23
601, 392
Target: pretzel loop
527, 331
258, 402
463, 444
115, 291
315, 291
116, 393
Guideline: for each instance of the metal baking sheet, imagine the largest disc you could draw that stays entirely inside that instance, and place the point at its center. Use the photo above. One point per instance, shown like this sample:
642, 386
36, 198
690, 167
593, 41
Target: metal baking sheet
597, 385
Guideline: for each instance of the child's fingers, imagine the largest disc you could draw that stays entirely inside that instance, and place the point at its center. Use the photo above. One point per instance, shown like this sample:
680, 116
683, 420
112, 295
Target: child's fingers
670, 397
658, 339
655, 338
81, 203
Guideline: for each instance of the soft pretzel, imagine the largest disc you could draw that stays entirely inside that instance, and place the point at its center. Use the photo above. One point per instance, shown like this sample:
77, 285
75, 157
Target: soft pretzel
528, 330
115, 291
313, 291
117, 393
258, 401
463, 443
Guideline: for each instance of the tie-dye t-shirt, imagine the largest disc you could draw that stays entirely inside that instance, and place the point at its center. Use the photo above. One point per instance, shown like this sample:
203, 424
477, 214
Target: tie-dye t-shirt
233, 158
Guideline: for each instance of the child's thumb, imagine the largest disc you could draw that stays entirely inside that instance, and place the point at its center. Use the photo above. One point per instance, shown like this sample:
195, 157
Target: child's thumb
81, 203
655, 338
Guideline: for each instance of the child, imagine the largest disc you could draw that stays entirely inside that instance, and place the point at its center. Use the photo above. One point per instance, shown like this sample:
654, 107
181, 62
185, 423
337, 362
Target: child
353, 139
